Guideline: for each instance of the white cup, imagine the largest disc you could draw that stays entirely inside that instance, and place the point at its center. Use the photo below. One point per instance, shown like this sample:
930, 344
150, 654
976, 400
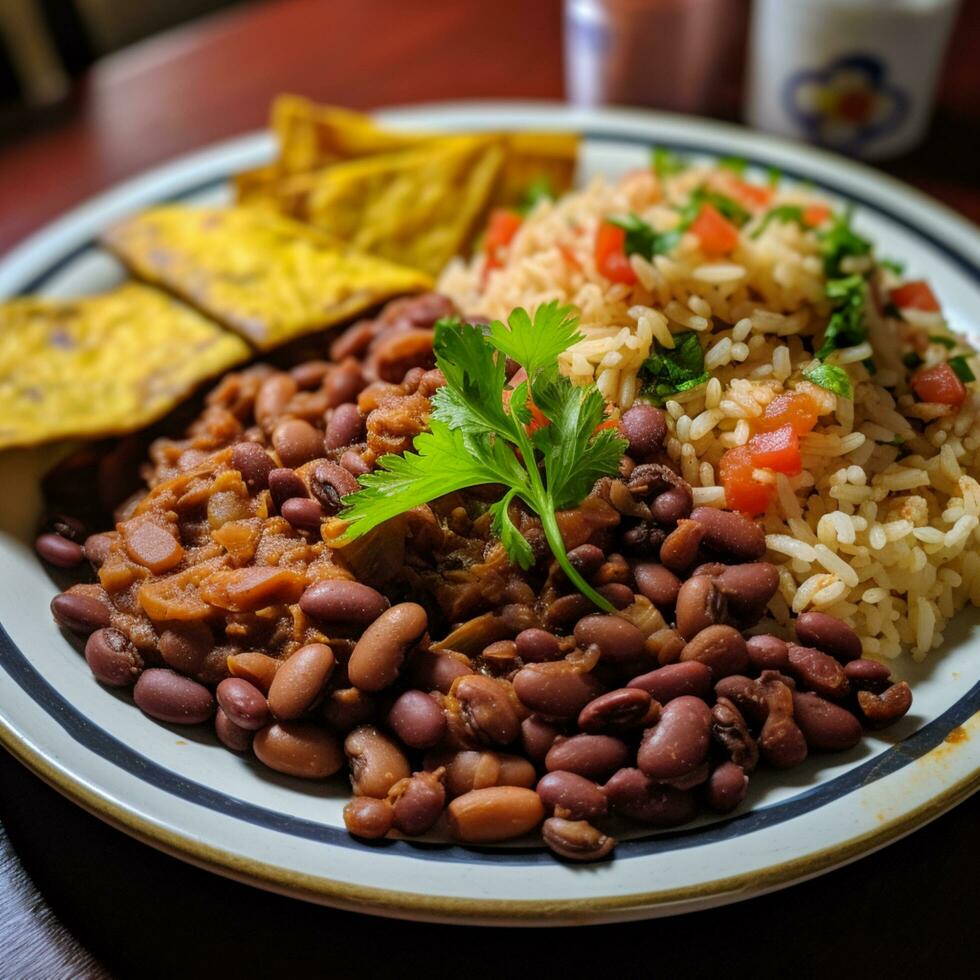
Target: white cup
857, 76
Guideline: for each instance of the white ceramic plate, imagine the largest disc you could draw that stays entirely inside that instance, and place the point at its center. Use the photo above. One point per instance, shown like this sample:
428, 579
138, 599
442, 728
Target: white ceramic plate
181, 791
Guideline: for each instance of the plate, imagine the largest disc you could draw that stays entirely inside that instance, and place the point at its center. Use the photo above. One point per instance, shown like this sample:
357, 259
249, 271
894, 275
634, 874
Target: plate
179, 790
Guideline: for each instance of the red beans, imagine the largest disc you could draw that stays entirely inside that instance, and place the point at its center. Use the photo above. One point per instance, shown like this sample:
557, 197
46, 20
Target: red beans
417, 720
818, 671
537, 645
300, 680
679, 742
378, 655
298, 748
634, 795
484, 816
680, 548
622, 709
345, 426
659, 584
303, 513
369, 818
726, 788
231, 735
768, 653
376, 762
576, 840
343, 602
296, 442
645, 428
537, 737
167, 696
555, 690
485, 708
618, 641
285, 484
828, 634
59, 551
418, 803
112, 658
80, 613
748, 589
254, 464
889, 706
581, 798
825, 725
591, 756
722, 648
867, 674
675, 680
243, 703
731, 535
700, 604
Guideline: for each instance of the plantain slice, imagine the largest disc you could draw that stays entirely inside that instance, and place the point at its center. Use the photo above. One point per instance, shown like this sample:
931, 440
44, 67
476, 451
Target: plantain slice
102, 365
265, 276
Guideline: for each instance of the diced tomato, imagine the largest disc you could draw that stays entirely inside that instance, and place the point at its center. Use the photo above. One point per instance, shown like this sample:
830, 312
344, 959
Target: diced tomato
608, 424
915, 296
610, 254
501, 229
742, 491
778, 450
940, 385
816, 214
751, 196
794, 408
717, 235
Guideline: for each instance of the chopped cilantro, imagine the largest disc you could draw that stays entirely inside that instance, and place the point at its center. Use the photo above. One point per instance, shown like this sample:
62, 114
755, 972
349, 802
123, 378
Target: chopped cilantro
893, 265
643, 239
728, 208
786, 213
962, 368
846, 327
666, 163
736, 165
669, 371
832, 378
946, 342
538, 190
911, 360
839, 242
774, 175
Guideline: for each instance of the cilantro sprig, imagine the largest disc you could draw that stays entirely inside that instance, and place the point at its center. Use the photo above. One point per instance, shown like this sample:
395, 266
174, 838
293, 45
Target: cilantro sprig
669, 371
846, 327
477, 436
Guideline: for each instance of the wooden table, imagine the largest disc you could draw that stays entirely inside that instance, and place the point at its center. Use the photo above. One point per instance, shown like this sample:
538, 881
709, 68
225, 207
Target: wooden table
75, 894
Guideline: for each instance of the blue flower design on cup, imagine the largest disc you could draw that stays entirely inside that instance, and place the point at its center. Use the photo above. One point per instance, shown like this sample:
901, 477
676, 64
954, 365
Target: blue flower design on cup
846, 103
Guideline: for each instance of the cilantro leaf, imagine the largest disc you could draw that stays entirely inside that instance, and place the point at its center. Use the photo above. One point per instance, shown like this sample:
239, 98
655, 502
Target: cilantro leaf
538, 190
839, 242
726, 207
786, 213
774, 175
643, 239
946, 342
671, 371
666, 163
832, 378
536, 346
736, 165
893, 265
962, 368
515, 544
846, 327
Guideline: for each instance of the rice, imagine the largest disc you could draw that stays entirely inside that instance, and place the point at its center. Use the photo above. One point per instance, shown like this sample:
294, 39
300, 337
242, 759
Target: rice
882, 527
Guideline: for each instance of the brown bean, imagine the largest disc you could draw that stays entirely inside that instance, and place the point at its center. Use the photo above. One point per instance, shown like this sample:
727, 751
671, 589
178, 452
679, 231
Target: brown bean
674, 681
302, 513
396, 352
747, 695
112, 658
485, 709
300, 680
329, 484
556, 689
184, 646
867, 675
298, 748
167, 696
367, 817
591, 756
80, 613
618, 640
889, 706
586, 559
645, 429
580, 798
343, 602
345, 427
665, 646
729, 730
284, 484
431, 670
59, 551
272, 398
67, 527
98, 546
726, 788
417, 720
818, 671
679, 742
825, 726
257, 668
470, 769
672, 505
748, 589
231, 735
636, 796
254, 464
537, 737
375, 760
310, 374
498, 813
680, 548
243, 703
730, 534
346, 708
576, 840
828, 634
379, 653
700, 604
622, 709
659, 584
537, 646
781, 743
343, 382
418, 802
767, 652
722, 648
354, 464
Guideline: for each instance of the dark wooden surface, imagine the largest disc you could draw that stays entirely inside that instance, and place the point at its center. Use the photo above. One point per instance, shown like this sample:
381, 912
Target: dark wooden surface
78, 899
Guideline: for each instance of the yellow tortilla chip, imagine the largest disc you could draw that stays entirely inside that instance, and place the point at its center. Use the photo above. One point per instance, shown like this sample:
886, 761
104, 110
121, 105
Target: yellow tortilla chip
532, 157
264, 276
102, 365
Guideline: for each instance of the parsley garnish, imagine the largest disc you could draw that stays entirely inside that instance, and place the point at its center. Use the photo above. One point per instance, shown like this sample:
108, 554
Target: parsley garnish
839, 242
538, 190
670, 371
473, 434
832, 378
846, 327
786, 213
962, 368
642, 238
728, 208
665, 163
736, 165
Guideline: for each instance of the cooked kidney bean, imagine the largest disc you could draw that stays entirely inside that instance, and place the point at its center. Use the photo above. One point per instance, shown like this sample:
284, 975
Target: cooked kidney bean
112, 658
747, 695
67, 526
556, 689
375, 760
380, 651
726, 787
867, 675
59, 551
300, 680
576, 840
296, 442
184, 646
537, 737
499, 656
343, 602
345, 426
729, 730
781, 743
616, 570
636, 796
80, 613
679, 742
469, 769
284, 484
167, 696
767, 652
272, 398
622, 709
418, 802
254, 464
432, 670
825, 725
618, 640
700, 604
671, 506
243, 703
485, 708
354, 463
722, 648
828, 634
579, 797
97, 547
298, 748
591, 756
675, 680
329, 484
230, 735
303, 513
343, 382
367, 817
417, 720
659, 584
889, 706
397, 351
310, 374
497, 813
257, 668
665, 646
748, 589
347, 707
818, 670
645, 429
586, 559
680, 548
730, 534
537, 646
